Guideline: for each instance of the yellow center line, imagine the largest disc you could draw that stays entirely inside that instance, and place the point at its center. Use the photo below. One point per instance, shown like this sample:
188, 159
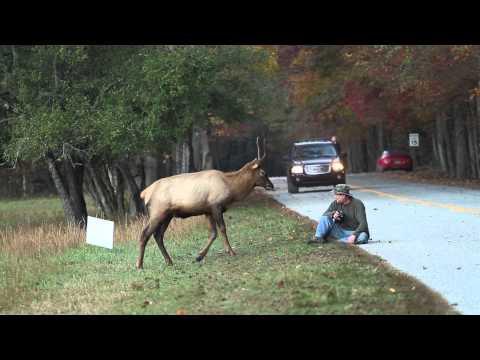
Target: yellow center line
456, 208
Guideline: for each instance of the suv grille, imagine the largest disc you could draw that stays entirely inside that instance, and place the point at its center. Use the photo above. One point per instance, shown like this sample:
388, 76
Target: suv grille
317, 169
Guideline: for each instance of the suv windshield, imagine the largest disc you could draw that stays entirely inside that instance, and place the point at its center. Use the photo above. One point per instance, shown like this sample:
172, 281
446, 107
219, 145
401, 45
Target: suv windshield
305, 152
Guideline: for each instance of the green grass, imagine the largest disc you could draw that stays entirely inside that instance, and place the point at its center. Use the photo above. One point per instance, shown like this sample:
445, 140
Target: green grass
35, 211
274, 272
30, 212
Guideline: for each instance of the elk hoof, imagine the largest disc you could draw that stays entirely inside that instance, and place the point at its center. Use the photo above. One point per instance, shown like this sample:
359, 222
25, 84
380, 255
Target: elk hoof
231, 253
199, 258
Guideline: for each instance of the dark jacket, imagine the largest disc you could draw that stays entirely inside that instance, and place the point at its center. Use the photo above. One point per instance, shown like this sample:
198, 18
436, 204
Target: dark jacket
355, 216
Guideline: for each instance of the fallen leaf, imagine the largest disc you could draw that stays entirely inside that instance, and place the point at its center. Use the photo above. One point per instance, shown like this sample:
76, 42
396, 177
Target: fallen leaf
392, 290
146, 303
459, 268
281, 284
413, 288
181, 311
425, 268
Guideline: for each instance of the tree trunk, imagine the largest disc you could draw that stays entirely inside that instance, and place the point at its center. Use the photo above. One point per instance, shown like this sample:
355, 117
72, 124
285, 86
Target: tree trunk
357, 156
72, 213
381, 137
100, 189
435, 160
197, 148
25, 169
461, 154
188, 156
440, 125
182, 158
471, 135
119, 189
152, 171
137, 203
477, 129
166, 166
202, 157
350, 157
449, 146
139, 174
475, 144
372, 148
74, 179
91, 190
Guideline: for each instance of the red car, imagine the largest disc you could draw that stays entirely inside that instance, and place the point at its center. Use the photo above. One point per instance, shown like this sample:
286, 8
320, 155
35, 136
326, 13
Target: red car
392, 160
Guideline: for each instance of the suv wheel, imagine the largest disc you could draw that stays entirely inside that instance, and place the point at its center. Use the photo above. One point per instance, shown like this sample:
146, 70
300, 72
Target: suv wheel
292, 188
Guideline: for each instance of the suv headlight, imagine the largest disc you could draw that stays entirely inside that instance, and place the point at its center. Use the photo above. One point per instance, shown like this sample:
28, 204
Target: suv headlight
297, 169
337, 165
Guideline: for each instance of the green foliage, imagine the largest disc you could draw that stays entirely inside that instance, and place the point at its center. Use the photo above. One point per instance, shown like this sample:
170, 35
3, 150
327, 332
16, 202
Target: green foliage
116, 101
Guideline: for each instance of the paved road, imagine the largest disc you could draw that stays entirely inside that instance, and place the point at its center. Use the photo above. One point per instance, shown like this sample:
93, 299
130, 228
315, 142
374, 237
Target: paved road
429, 231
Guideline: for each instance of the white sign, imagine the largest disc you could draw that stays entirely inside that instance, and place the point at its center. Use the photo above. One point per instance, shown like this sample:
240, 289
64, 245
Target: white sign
414, 140
100, 232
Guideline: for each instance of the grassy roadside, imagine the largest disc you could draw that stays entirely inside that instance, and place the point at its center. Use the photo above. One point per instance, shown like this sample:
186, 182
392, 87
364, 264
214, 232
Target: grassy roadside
274, 272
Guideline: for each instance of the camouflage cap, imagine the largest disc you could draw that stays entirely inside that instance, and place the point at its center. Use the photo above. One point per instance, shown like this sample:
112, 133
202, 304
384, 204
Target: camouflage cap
342, 189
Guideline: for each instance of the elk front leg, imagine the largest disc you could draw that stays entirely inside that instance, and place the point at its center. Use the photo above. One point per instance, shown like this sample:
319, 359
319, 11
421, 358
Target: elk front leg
212, 226
218, 216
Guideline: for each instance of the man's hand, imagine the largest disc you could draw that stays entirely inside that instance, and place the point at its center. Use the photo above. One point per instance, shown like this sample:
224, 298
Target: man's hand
351, 239
336, 216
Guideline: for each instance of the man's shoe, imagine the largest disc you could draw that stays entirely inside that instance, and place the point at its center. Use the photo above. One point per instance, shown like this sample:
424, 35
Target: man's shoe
316, 240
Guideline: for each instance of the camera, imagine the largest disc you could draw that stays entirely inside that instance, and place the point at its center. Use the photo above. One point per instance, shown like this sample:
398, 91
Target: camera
340, 218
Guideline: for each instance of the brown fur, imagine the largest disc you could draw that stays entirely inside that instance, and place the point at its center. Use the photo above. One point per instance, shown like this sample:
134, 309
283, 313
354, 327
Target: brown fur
208, 193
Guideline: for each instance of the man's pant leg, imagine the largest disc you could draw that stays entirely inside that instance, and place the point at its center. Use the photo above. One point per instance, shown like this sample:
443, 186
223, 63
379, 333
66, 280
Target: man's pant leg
362, 239
324, 227
342, 235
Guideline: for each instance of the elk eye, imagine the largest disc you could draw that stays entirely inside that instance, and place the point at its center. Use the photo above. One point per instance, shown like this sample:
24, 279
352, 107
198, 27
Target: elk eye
262, 172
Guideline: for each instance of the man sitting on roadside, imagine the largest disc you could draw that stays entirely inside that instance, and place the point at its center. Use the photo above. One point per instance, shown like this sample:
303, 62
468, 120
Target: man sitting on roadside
345, 220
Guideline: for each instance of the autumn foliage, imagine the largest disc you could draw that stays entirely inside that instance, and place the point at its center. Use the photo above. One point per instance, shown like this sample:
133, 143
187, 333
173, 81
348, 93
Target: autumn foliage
376, 94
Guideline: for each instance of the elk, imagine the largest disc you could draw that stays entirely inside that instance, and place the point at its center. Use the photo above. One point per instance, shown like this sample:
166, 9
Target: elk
208, 192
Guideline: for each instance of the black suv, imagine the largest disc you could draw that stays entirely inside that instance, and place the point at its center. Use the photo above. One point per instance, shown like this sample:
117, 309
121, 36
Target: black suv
315, 163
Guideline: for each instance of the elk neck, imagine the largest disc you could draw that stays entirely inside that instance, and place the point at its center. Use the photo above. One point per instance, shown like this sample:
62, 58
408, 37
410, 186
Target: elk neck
241, 182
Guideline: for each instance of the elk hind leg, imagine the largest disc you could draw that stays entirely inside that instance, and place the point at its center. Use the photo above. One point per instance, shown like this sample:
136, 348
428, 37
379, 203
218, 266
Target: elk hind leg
147, 232
159, 234
218, 216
